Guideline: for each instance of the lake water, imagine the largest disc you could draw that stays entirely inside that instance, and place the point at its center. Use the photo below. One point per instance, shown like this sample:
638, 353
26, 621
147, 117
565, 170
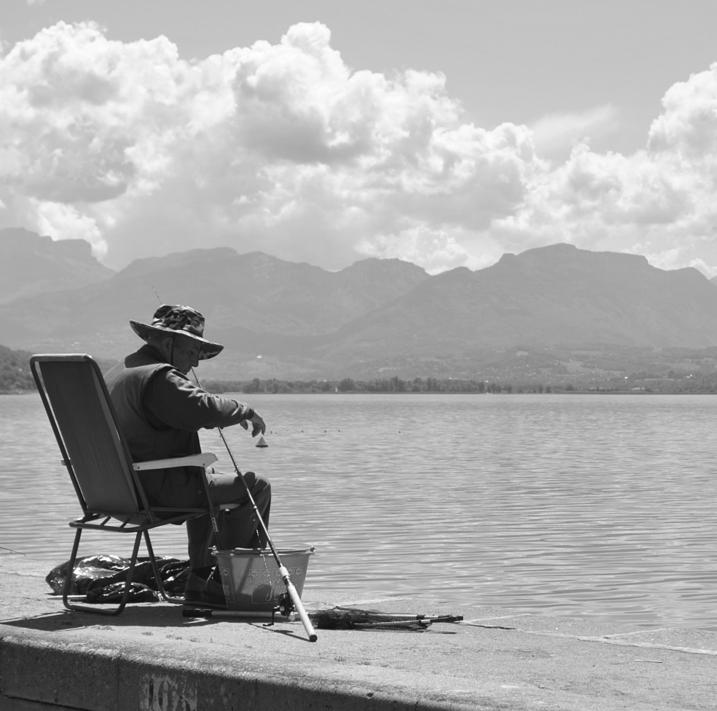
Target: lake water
591, 505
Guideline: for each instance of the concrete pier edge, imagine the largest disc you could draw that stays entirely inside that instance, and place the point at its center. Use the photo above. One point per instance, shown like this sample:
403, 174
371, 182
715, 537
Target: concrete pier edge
133, 675
151, 659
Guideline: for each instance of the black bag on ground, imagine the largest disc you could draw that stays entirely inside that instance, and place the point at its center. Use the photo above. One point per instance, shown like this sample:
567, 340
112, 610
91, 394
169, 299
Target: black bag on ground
101, 578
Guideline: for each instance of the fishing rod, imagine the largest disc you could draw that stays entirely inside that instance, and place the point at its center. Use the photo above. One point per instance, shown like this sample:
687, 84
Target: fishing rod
283, 572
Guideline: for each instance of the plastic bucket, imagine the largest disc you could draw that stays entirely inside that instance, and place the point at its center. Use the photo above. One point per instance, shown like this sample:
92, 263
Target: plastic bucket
251, 579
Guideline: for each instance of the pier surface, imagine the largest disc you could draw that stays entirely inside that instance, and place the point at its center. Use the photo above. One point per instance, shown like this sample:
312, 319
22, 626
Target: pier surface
150, 658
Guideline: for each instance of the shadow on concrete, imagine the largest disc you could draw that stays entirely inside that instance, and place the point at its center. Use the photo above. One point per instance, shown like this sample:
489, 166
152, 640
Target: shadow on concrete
268, 627
139, 615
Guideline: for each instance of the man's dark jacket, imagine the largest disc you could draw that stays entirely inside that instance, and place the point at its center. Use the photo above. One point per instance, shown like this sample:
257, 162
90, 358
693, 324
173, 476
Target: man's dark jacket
160, 412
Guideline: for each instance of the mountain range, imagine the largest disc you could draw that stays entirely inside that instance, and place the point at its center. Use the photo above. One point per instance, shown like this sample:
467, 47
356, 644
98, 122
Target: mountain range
31, 264
547, 311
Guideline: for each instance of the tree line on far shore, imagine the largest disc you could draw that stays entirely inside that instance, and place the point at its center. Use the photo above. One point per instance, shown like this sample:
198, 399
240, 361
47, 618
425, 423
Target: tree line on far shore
15, 376
15, 373
635, 384
351, 385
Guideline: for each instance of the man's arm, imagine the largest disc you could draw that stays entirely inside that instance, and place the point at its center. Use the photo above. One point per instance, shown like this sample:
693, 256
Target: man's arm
174, 401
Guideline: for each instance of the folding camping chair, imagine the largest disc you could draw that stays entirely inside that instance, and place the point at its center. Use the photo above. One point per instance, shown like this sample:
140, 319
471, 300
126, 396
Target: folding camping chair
97, 458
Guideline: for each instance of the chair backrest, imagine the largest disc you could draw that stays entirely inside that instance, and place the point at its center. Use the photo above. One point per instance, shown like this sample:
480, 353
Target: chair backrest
82, 417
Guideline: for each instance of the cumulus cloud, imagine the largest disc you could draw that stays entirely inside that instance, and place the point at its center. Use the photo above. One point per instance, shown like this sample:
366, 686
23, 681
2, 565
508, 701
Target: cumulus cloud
657, 202
278, 147
284, 148
557, 133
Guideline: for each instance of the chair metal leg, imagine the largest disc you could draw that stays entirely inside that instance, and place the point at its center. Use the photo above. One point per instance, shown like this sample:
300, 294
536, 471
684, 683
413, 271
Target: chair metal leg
157, 577
70, 570
93, 608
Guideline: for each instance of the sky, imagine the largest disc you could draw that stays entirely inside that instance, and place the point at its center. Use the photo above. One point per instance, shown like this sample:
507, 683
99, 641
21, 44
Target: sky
441, 132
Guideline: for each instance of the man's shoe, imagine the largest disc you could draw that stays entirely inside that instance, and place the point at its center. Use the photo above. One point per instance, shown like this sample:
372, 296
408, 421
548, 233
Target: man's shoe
201, 591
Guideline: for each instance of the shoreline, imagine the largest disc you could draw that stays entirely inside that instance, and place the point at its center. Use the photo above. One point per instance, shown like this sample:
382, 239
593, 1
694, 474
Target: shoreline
425, 393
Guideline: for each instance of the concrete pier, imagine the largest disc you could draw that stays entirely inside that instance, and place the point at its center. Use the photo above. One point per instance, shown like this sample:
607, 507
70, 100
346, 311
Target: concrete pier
152, 659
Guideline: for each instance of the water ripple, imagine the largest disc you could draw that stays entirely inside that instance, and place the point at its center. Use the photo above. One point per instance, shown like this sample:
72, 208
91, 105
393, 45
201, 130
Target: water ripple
588, 505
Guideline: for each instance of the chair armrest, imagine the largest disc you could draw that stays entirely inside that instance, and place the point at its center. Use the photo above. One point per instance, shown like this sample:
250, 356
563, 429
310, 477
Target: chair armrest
204, 459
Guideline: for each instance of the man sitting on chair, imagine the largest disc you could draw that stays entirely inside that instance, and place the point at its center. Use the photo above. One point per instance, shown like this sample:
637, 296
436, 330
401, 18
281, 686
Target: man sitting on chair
160, 412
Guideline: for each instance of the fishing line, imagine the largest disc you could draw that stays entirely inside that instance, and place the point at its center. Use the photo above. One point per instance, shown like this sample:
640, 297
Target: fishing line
10, 550
283, 571
261, 443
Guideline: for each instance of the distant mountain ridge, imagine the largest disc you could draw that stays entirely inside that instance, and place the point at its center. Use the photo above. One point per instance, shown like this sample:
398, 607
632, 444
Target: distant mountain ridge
292, 320
549, 296
250, 300
31, 264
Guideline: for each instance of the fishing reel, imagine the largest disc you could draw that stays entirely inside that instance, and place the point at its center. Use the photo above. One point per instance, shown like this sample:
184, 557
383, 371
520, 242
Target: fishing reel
285, 606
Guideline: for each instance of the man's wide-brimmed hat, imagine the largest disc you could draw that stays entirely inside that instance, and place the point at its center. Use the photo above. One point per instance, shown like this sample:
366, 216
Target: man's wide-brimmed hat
176, 319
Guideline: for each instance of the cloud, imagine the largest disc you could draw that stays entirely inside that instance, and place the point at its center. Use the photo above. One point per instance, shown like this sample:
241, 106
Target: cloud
658, 202
284, 148
557, 133
434, 248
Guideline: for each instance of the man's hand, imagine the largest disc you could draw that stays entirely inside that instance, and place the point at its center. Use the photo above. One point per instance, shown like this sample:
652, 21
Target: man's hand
257, 423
